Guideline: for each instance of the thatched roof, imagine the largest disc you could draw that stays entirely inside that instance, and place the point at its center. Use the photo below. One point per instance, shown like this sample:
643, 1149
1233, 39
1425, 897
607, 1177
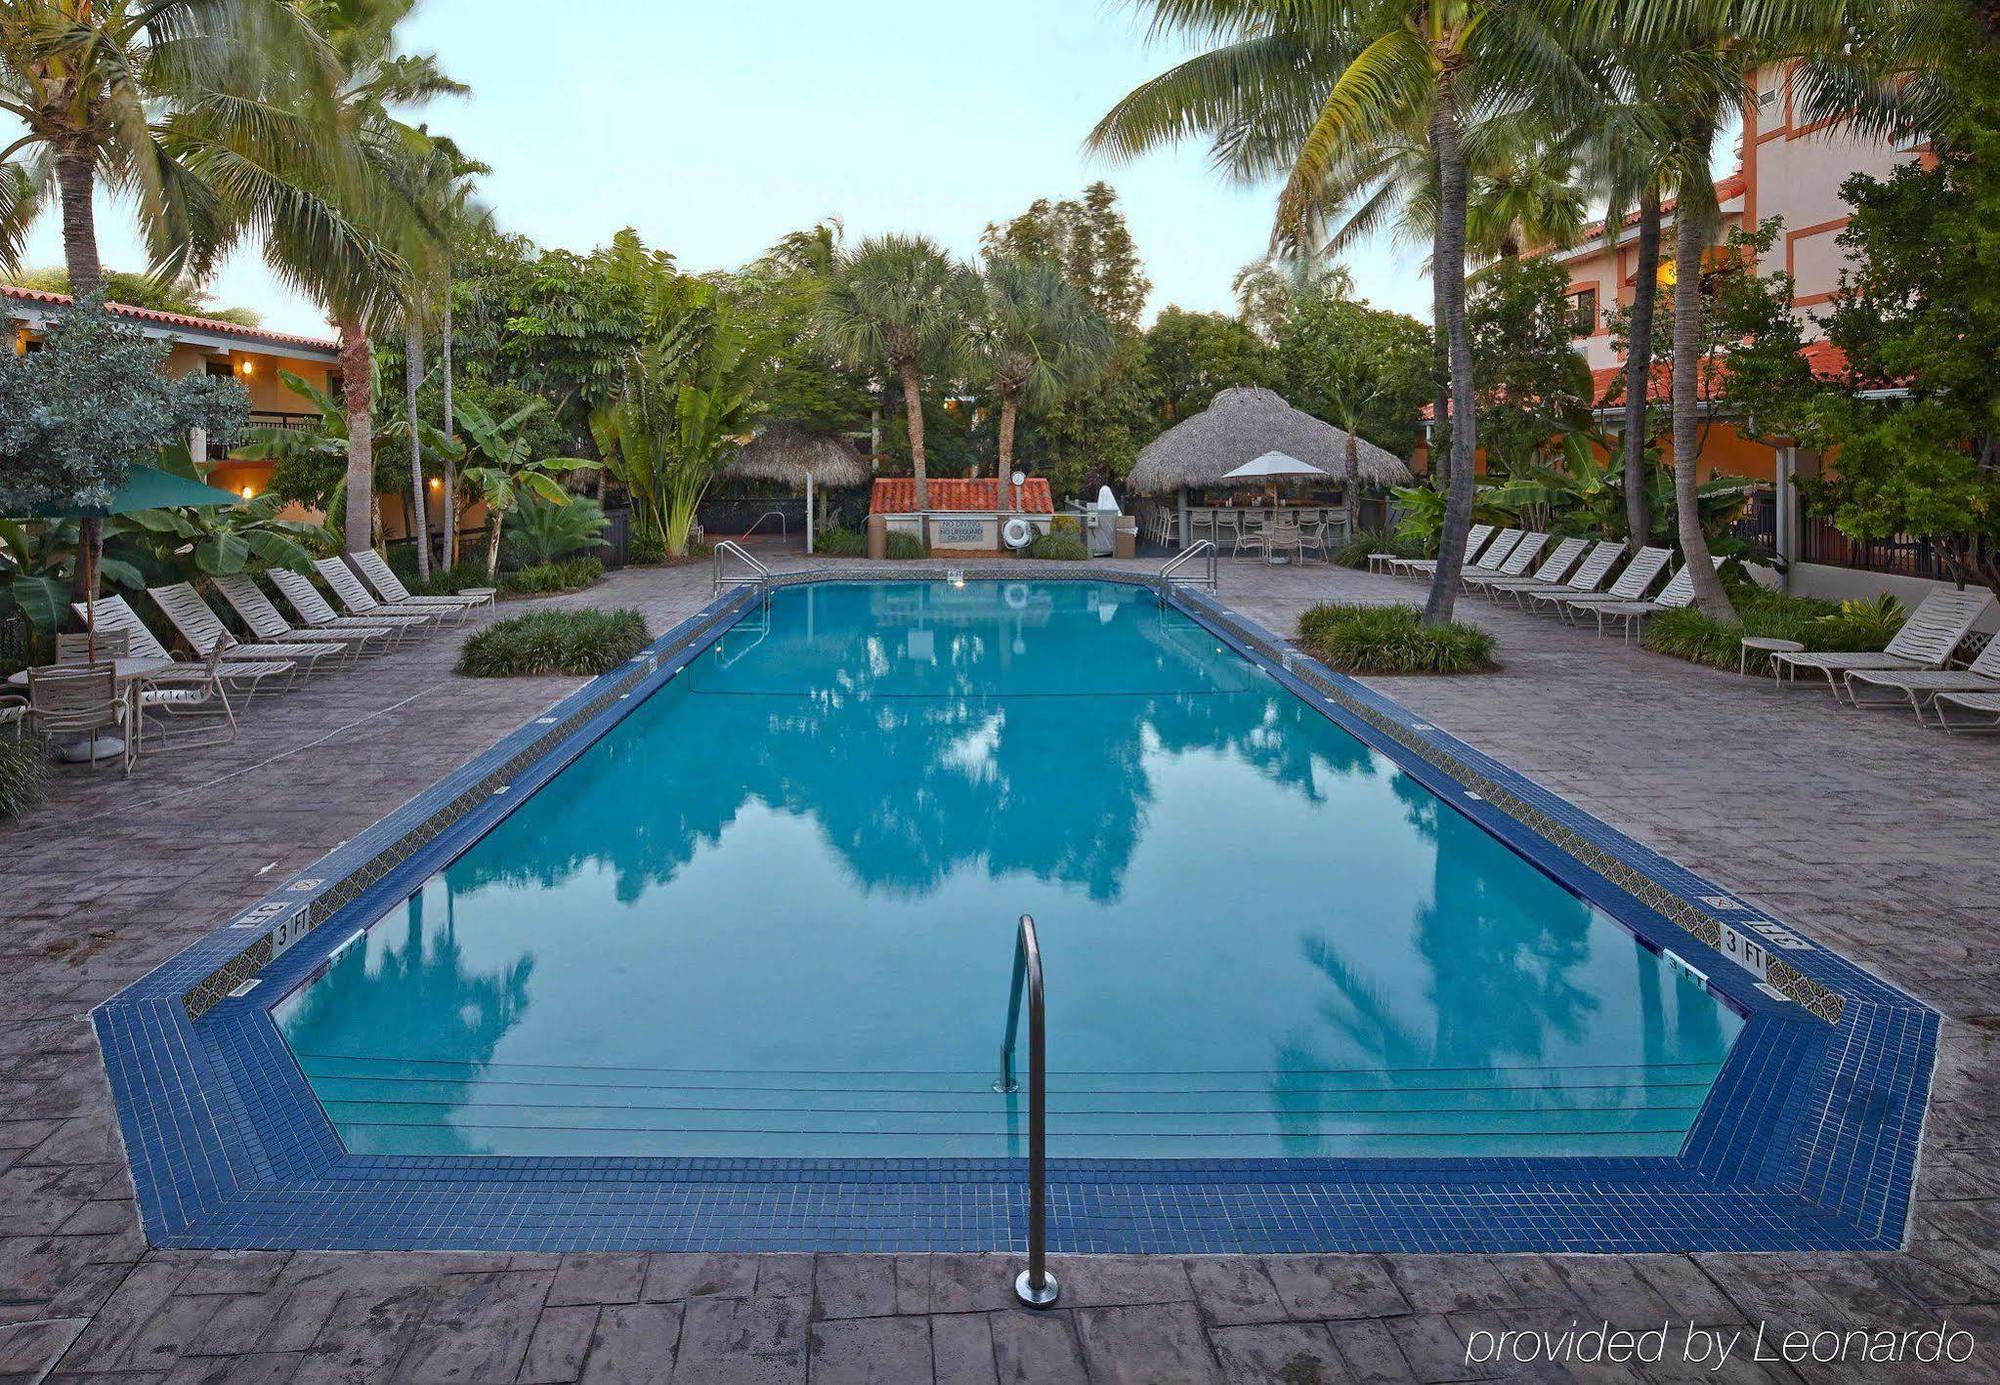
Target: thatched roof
1240, 426
787, 452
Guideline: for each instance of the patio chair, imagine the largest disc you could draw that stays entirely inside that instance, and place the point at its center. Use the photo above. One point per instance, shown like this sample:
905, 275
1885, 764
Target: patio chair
1585, 581
1970, 702
356, 600
1631, 615
1516, 564
80, 700
1926, 684
14, 712
1926, 641
181, 693
243, 666
84, 648
1551, 573
304, 599
1229, 530
1497, 552
203, 629
377, 573
1251, 536
1201, 525
255, 610
1393, 561
1313, 539
1285, 535
1632, 585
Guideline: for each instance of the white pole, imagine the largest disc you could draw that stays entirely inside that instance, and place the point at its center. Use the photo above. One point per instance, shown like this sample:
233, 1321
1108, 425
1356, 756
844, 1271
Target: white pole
809, 514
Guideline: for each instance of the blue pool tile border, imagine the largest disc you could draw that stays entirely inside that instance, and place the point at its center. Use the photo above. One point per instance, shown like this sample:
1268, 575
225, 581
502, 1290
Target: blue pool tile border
1808, 1141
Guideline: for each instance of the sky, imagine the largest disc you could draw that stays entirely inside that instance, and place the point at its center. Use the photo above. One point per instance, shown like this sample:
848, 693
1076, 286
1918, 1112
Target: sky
715, 126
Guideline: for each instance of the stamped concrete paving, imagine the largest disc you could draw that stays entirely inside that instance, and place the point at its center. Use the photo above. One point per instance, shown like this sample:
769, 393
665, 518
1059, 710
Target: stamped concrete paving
1878, 838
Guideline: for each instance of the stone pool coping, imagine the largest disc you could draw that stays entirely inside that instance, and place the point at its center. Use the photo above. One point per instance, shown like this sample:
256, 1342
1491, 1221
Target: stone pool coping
1808, 1141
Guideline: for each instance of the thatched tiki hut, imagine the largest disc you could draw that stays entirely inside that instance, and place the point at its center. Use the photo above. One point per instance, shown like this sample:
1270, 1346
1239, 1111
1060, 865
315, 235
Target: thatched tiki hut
803, 458
1239, 426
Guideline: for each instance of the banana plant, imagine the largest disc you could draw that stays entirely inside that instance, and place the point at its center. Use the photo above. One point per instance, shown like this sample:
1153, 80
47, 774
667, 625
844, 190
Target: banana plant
499, 467
36, 561
222, 540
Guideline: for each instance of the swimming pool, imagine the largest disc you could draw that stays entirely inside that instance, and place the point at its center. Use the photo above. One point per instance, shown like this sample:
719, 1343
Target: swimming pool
1322, 976
771, 913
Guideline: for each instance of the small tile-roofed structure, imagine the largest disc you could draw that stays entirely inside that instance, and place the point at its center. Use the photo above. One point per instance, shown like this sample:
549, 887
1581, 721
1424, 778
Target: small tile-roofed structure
897, 495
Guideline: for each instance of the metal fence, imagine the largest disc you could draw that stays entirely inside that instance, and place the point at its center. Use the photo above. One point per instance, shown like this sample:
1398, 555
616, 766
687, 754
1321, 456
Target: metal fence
1758, 524
1903, 555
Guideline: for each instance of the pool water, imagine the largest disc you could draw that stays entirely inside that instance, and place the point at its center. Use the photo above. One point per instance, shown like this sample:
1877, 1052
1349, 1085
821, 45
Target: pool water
772, 913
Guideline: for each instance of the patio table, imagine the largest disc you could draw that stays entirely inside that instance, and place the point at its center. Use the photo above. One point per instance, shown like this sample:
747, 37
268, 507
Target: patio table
127, 672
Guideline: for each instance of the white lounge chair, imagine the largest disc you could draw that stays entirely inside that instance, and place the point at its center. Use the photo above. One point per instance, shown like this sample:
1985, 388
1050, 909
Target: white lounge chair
1679, 594
1516, 565
1551, 573
1926, 684
1926, 640
1584, 581
255, 610
242, 666
203, 629
1984, 702
377, 573
1475, 539
304, 598
1632, 585
1491, 555
356, 599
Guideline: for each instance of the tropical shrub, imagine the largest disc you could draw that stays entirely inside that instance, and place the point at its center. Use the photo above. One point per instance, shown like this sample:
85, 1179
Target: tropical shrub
1820, 626
646, 550
586, 641
538, 532
1393, 639
1354, 552
546, 579
903, 546
24, 770
470, 572
840, 543
1066, 547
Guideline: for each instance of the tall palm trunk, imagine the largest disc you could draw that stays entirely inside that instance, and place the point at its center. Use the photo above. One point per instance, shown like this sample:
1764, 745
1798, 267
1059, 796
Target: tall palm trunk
1708, 592
1353, 482
1448, 269
1639, 368
357, 390
413, 369
1440, 371
75, 179
1010, 404
450, 424
913, 409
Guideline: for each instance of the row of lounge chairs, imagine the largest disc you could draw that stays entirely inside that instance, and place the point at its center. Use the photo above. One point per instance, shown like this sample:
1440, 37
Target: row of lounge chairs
1913, 669
122, 679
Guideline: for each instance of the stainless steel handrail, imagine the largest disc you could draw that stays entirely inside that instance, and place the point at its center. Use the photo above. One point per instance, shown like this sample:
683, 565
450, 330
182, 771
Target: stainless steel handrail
784, 530
1200, 548
1034, 1286
732, 549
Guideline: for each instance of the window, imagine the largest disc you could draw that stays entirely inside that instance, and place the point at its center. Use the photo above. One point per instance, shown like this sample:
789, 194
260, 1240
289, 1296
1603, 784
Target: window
1583, 310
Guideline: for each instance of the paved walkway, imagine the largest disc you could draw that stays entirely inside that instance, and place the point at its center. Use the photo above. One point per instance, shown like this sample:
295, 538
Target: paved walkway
1874, 836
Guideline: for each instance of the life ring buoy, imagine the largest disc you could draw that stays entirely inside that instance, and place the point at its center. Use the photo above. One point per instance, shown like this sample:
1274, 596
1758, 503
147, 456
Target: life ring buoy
1017, 533
1016, 596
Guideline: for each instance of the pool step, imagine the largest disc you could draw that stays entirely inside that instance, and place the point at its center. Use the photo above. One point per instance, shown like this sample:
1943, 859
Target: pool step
407, 1104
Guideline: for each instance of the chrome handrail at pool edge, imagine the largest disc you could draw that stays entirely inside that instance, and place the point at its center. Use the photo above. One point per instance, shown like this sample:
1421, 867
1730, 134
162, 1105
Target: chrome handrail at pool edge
1201, 548
731, 548
1034, 1286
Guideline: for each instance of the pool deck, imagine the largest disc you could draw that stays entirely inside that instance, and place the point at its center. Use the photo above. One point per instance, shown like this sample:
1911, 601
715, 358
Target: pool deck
1876, 837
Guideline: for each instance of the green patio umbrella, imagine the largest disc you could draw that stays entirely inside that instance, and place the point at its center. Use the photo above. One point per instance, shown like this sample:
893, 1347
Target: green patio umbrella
144, 488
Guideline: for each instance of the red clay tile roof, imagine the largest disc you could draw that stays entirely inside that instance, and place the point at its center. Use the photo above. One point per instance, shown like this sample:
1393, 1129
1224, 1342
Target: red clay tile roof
1827, 361
897, 495
157, 318
1725, 188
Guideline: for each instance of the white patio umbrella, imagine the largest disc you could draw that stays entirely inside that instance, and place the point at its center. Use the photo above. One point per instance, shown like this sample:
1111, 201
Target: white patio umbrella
1270, 467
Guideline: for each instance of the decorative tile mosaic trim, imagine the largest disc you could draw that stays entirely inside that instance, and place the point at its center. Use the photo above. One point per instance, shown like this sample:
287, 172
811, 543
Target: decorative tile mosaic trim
1807, 1142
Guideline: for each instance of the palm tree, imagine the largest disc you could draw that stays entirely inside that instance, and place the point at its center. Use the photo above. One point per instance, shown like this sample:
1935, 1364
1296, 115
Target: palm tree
1525, 197
902, 303
502, 468
93, 82
1324, 90
1039, 339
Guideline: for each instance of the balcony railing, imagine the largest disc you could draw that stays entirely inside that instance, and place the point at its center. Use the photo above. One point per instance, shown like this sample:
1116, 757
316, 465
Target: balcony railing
267, 418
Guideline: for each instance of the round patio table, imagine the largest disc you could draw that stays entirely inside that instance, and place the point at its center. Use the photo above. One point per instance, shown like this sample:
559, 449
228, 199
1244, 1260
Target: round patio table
127, 671
1766, 645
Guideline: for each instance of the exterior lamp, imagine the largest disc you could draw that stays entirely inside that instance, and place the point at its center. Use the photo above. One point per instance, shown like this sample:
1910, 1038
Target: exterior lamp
249, 367
436, 484
248, 492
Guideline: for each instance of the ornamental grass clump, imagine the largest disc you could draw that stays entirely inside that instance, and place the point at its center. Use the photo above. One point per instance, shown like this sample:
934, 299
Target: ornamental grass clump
1354, 551
546, 579
24, 768
903, 547
1821, 626
1393, 639
587, 641
839, 543
1063, 547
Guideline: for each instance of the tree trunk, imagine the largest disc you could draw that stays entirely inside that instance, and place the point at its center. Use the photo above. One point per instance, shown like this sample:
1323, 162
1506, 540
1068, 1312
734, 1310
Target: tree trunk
1010, 403
1708, 592
1448, 269
75, 179
1639, 369
493, 546
357, 388
913, 409
450, 478
1440, 373
413, 369
1353, 482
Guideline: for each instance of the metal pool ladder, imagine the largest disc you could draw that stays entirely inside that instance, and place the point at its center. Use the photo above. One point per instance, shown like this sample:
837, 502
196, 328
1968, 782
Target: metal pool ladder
1204, 576
1034, 1286
760, 576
